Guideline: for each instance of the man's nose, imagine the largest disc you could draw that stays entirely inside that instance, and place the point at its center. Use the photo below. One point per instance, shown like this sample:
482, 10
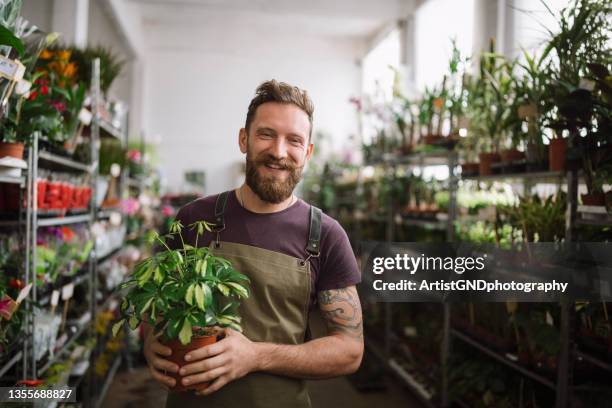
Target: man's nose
279, 148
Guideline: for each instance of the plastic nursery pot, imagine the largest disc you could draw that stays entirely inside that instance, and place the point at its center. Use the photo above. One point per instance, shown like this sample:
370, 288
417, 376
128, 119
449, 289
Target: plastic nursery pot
511, 155
11, 150
556, 154
41, 187
178, 357
486, 160
595, 199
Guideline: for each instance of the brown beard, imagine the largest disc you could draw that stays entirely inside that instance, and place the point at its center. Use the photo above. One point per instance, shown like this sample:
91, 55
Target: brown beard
270, 189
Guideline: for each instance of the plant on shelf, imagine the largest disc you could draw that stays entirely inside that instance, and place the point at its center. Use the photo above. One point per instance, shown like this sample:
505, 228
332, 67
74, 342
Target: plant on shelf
582, 39
541, 220
491, 106
530, 88
183, 293
111, 65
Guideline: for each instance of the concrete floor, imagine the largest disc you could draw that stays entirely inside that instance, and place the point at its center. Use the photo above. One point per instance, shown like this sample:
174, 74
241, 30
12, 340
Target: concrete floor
137, 389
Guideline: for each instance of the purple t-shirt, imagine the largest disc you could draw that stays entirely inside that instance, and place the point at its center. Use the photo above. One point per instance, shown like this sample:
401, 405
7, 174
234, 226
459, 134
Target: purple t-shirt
286, 232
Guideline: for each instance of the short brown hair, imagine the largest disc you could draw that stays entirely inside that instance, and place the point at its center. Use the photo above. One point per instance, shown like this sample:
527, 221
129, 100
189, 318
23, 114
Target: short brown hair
281, 92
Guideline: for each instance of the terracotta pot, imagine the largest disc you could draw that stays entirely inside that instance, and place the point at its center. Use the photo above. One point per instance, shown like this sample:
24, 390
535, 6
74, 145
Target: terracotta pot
11, 149
469, 169
596, 199
433, 139
556, 154
510, 155
486, 160
178, 357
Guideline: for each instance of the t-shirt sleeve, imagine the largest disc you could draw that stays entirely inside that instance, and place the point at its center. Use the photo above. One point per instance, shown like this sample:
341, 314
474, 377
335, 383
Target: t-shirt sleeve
338, 264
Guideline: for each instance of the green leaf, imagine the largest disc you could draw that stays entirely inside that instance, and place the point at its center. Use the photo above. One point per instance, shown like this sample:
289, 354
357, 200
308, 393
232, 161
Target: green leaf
159, 275
146, 306
133, 322
223, 289
118, 326
239, 290
146, 275
208, 296
199, 296
186, 333
8, 38
203, 267
189, 294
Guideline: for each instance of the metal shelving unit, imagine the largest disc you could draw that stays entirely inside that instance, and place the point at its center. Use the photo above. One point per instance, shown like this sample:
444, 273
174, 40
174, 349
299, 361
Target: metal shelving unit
32, 220
576, 216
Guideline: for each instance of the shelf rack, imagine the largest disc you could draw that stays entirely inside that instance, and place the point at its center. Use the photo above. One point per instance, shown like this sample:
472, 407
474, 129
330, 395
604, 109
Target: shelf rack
32, 219
576, 216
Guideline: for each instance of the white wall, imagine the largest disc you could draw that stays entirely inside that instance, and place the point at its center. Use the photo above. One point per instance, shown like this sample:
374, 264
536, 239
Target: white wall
196, 95
38, 12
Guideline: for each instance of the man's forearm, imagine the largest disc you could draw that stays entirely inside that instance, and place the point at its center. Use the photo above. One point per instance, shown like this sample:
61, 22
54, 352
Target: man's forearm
326, 357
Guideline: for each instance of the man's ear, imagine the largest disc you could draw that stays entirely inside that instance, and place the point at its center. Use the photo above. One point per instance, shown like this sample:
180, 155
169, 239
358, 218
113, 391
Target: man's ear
242, 140
309, 151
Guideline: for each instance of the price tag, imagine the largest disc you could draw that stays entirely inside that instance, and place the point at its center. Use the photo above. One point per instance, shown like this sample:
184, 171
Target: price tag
67, 291
23, 293
11, 69
55, 298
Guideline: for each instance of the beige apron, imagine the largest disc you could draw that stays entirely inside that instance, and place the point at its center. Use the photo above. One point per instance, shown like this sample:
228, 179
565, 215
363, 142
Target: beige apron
276, 311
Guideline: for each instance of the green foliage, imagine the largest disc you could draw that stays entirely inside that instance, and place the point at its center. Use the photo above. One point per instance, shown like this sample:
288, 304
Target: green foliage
8, 38
179, 290
541, 220
110, 65
111, 151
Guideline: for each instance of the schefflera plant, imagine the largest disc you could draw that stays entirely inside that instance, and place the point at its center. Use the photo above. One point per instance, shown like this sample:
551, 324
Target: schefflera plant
183, 291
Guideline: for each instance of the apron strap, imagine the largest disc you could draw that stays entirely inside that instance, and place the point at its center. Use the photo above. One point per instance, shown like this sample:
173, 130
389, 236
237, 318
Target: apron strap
314, 234
220, 213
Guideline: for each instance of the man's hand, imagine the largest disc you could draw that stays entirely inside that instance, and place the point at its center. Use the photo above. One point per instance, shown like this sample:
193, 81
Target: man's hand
223, 362
153, 349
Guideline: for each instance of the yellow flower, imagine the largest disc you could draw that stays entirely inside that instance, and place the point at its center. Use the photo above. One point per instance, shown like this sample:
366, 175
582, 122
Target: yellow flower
70, 70
64, 55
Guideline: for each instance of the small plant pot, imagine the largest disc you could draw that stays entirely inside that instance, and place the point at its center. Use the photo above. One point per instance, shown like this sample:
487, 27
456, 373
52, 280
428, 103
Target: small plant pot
595, 199
11, 150
178, 357
511, 155
486, 160
433, 139
556, 154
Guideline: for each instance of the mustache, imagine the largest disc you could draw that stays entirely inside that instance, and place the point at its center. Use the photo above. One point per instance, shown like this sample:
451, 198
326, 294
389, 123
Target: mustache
284, 164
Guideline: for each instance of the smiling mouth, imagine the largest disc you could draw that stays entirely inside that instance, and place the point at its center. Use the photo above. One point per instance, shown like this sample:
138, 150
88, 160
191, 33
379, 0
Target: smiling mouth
275, 167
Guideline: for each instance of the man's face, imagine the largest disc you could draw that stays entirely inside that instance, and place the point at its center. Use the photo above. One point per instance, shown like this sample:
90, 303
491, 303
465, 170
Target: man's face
277, 147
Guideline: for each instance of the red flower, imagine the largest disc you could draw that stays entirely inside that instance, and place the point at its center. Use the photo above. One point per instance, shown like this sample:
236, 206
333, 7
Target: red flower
33, 95
16, 283
59, 106
44, 90
68, 233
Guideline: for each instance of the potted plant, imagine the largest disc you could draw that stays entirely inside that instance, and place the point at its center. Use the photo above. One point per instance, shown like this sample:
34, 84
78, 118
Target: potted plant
184, 293
582, 39
490, 106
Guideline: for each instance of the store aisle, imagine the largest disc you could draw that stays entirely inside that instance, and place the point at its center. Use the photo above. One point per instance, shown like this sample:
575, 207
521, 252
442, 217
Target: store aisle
137, 389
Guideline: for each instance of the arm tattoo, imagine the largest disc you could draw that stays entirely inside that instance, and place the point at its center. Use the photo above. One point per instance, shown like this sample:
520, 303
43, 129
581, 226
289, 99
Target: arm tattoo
341, 311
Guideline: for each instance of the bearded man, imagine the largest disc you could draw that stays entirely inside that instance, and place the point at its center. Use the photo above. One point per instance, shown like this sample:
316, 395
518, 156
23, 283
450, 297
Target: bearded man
299, 262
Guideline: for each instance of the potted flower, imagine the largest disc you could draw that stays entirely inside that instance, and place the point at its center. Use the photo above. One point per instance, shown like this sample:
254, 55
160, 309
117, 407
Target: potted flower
186, 294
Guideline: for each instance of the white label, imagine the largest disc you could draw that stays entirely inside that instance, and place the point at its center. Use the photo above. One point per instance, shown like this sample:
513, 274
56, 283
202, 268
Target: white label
85, 116
10, 69
67, 291
55, 298
23, 293
23, 87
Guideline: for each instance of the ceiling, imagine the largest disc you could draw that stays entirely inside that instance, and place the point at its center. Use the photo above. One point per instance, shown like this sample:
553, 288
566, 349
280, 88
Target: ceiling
351, 19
